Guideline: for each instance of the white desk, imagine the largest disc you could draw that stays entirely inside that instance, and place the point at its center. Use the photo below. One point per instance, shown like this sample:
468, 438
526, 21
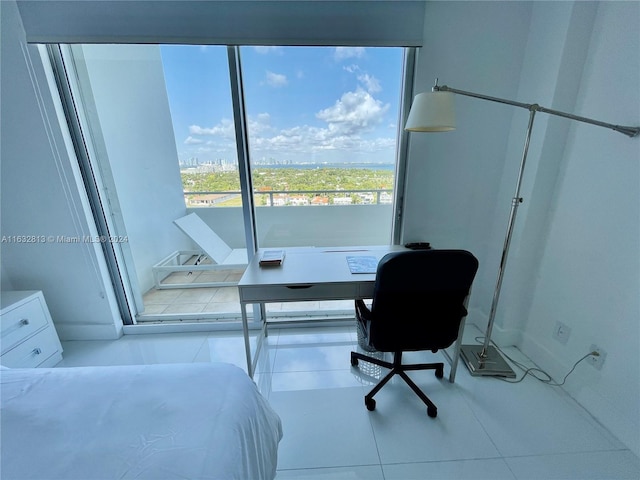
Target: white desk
310, 274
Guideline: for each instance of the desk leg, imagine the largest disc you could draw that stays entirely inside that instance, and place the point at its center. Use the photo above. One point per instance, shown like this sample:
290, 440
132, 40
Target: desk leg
263, 317
247, 343
456, 353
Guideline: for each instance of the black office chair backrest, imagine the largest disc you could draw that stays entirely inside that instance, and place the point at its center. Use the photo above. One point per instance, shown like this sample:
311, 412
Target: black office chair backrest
418, 300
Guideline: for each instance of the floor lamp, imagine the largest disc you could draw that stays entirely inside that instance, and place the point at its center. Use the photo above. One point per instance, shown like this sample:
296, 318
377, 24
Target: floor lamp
433, 112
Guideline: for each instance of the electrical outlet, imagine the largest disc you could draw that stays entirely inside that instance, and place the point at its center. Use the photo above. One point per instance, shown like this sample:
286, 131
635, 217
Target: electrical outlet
597, 360
561, 333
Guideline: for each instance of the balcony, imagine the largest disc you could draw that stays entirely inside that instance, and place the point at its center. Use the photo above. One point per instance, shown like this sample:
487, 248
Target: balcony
283, 219
281, 198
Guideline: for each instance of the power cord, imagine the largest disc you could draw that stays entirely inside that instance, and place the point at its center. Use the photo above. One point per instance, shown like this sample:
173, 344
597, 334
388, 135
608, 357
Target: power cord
533, 370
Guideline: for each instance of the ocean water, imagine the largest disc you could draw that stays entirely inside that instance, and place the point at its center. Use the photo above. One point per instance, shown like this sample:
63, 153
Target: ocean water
313, 166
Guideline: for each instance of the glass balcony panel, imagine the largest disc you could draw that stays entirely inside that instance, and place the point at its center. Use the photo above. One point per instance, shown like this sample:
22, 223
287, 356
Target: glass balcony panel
322, 135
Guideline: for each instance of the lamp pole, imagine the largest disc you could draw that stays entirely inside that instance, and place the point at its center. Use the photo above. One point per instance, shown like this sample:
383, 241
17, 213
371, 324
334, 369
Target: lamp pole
485, 360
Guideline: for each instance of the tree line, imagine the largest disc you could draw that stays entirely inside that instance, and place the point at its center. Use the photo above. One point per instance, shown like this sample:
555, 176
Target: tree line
291, 179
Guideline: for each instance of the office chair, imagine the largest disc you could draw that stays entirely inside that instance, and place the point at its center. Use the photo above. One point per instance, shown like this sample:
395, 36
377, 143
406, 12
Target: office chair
419, 302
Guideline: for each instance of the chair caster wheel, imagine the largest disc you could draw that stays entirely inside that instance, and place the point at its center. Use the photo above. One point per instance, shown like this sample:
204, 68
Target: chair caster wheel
439, 372
354, 361
432, 412
370, 403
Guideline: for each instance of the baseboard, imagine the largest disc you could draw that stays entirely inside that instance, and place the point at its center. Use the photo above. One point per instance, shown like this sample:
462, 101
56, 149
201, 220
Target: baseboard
580, 387
503, 337
67, 331
143, 328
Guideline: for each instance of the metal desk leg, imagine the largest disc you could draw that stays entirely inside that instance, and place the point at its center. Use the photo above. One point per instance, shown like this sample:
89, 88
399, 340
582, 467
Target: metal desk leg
456, 353
263, 318
247, 343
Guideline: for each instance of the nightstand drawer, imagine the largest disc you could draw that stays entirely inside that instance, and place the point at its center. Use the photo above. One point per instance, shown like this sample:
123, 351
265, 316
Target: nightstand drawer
22, 322
33, 351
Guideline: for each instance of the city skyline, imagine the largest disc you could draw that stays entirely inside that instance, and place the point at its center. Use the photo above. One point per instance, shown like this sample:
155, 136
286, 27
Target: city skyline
304, 104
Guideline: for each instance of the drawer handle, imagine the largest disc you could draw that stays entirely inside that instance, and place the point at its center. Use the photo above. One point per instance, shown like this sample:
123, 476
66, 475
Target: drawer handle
298, 287
24, 322
37, 351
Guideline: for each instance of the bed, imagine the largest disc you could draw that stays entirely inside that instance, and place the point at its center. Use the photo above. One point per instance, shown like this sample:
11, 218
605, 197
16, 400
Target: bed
197, 421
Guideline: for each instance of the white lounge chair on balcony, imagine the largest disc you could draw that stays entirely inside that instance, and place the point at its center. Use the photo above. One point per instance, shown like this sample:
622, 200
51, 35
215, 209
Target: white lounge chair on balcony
214, 255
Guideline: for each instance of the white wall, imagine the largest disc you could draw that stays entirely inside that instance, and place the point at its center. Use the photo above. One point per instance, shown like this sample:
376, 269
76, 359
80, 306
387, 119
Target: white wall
133, 133
454, 178
575, 255
40, 197
5, 281
551, 75
589, 269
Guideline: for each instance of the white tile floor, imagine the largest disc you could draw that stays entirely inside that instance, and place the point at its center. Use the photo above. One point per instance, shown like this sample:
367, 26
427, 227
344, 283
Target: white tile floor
485, 428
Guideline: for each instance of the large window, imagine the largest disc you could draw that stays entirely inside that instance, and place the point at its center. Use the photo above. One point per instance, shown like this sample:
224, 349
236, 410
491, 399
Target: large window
162, 121
322, 125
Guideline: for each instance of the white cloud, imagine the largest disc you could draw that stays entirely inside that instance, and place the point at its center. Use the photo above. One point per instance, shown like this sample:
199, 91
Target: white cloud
192, 141
224, 129
354, 112
259, 125
348, 120
265, 49
370, 82
349, 127
342, 53
276, 79
307, 139
351, 68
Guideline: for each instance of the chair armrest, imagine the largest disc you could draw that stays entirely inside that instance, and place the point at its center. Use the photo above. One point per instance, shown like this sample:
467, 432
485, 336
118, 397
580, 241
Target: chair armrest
363, 326
362, 311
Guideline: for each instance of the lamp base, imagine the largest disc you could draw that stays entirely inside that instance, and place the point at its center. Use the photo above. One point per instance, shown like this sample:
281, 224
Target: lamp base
490, 365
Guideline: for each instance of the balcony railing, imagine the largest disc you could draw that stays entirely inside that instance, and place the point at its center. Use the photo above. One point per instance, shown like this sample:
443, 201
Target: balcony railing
291, 225
276, 198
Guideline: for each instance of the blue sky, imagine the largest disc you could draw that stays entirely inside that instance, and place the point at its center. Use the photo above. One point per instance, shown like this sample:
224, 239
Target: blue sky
306, 104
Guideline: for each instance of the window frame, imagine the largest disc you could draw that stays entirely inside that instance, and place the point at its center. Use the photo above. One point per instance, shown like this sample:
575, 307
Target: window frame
125, 286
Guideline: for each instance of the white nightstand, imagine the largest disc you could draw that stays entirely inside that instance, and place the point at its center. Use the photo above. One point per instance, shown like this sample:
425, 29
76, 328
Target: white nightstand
29, 338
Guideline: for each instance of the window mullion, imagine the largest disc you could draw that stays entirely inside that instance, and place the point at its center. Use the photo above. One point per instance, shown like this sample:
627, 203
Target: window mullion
403, 145
242, 146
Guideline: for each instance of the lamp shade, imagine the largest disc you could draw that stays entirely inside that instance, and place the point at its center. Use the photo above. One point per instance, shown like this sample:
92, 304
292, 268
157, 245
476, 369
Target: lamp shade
432, 112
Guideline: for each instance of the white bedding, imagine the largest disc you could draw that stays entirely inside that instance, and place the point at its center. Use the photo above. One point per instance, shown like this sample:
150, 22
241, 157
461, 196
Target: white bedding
148, 421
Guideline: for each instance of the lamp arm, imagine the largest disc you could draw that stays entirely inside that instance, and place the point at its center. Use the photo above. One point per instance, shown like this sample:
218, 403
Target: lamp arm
629, 131
444, 88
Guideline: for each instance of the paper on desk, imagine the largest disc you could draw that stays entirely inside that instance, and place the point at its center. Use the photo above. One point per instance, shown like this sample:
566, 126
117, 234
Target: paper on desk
362, 263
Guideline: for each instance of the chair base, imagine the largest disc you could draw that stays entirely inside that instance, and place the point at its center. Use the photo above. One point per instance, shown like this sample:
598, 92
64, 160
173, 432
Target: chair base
398, 368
